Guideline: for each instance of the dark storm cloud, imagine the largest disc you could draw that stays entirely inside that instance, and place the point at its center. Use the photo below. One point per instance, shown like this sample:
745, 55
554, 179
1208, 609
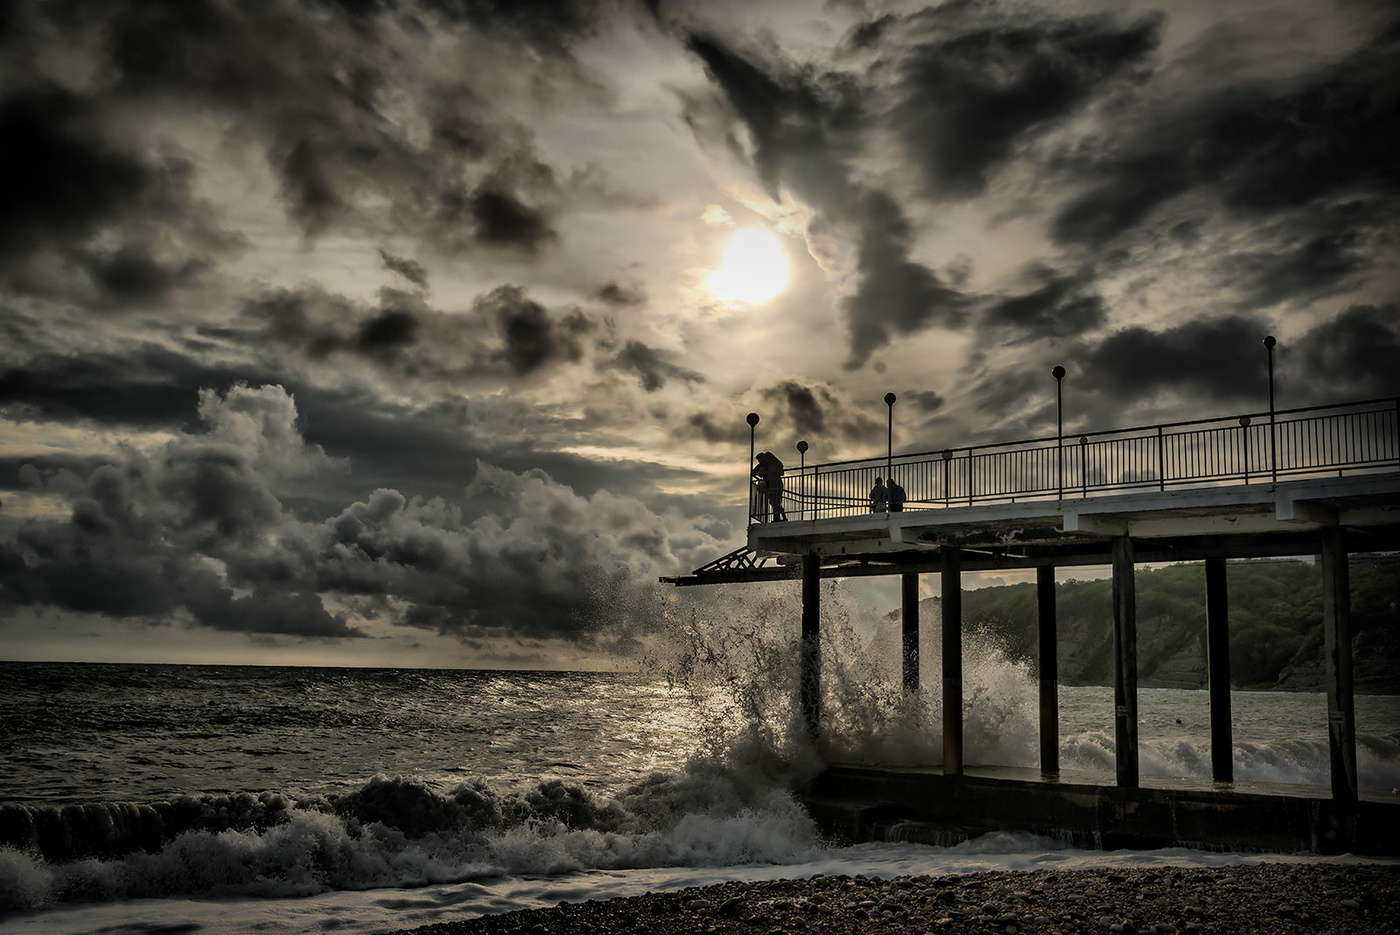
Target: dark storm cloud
1319, 265
429, 451
141, 529
411, 270
533, 338
145, 536
1062, 306
651, 366
503, 220
1259, 150
146, 386
1013, 396
62, 180
69, 186
268, 611
1352, 356
968, 95
805, 129
704, 425
547, 26
928, 402
1135, 185
52, 468
1219, 358
530, 568
619, 296
310, 85
803, 408
819, 412
132, 275
505, 333
1308, 254
895, 294
387, 332
790, 118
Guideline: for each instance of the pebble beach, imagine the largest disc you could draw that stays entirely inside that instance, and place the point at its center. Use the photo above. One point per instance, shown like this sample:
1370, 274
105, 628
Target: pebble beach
1255, 899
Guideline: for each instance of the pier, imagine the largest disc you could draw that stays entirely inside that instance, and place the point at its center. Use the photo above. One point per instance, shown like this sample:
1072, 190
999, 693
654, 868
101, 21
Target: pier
1320, 481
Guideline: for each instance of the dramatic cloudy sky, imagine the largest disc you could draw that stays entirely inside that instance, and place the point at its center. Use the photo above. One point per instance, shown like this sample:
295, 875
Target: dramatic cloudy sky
383, 331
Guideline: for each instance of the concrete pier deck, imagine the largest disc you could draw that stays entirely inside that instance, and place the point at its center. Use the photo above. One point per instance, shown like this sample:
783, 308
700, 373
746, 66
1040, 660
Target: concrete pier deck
1283, 518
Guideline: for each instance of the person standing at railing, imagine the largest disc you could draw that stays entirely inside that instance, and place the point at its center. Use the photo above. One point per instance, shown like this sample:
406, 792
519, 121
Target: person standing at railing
879, 497
769, 471
895, 494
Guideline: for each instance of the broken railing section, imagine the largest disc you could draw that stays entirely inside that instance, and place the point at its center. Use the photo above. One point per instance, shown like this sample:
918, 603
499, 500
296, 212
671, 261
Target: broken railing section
1248, 449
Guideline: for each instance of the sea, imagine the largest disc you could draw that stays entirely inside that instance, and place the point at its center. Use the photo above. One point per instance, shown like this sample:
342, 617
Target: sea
214, 799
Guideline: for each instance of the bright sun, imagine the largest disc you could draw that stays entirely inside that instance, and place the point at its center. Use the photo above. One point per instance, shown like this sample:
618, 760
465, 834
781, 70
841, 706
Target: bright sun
754, 269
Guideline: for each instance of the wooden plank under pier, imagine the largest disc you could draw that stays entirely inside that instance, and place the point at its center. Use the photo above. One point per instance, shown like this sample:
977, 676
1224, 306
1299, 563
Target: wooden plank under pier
1323, 502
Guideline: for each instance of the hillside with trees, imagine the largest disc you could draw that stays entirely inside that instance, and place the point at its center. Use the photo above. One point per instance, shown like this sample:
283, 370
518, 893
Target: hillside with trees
1275, 625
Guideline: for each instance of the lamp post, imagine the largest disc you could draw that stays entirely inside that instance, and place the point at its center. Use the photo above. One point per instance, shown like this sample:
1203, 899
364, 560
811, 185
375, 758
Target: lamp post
889, 449
802, 477
1269, 342
752, 419
1059, 374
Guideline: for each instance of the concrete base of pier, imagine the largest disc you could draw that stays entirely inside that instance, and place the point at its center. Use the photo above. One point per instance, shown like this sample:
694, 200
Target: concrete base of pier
857, 803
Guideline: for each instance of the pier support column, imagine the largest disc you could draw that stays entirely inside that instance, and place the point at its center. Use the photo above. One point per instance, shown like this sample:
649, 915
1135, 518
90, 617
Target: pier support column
1336, 662
811, 699
1222, 752
952, 662
909, 601
1125, 708
1049, 665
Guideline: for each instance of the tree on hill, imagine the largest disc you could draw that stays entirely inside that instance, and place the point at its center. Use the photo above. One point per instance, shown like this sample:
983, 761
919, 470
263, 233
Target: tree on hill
1275, 623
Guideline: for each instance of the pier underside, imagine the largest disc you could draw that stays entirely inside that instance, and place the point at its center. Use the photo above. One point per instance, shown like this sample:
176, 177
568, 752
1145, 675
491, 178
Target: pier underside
858, 803
1328, 517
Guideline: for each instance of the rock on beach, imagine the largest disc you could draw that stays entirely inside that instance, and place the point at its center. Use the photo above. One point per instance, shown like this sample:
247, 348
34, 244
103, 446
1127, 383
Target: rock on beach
1254, 899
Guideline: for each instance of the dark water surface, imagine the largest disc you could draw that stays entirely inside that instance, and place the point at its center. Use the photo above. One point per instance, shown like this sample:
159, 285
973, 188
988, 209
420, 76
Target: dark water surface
82, 733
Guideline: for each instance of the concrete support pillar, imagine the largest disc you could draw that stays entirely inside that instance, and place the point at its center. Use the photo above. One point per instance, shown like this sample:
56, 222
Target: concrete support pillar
909, 601
952, 663
1222, 759
1049, 671
1336, 662
1125, 708
811, 699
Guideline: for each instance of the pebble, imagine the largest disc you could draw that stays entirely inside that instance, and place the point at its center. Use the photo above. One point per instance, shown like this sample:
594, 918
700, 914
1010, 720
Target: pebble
1253, 899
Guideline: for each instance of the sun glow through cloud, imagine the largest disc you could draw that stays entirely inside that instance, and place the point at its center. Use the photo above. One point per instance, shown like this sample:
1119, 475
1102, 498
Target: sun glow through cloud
754, 269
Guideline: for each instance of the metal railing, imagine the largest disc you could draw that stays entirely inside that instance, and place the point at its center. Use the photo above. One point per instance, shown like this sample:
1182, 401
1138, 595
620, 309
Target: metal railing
1254, 448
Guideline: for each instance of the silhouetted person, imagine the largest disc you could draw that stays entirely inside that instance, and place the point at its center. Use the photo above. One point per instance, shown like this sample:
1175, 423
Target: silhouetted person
879, 497
896, 495
769, 471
